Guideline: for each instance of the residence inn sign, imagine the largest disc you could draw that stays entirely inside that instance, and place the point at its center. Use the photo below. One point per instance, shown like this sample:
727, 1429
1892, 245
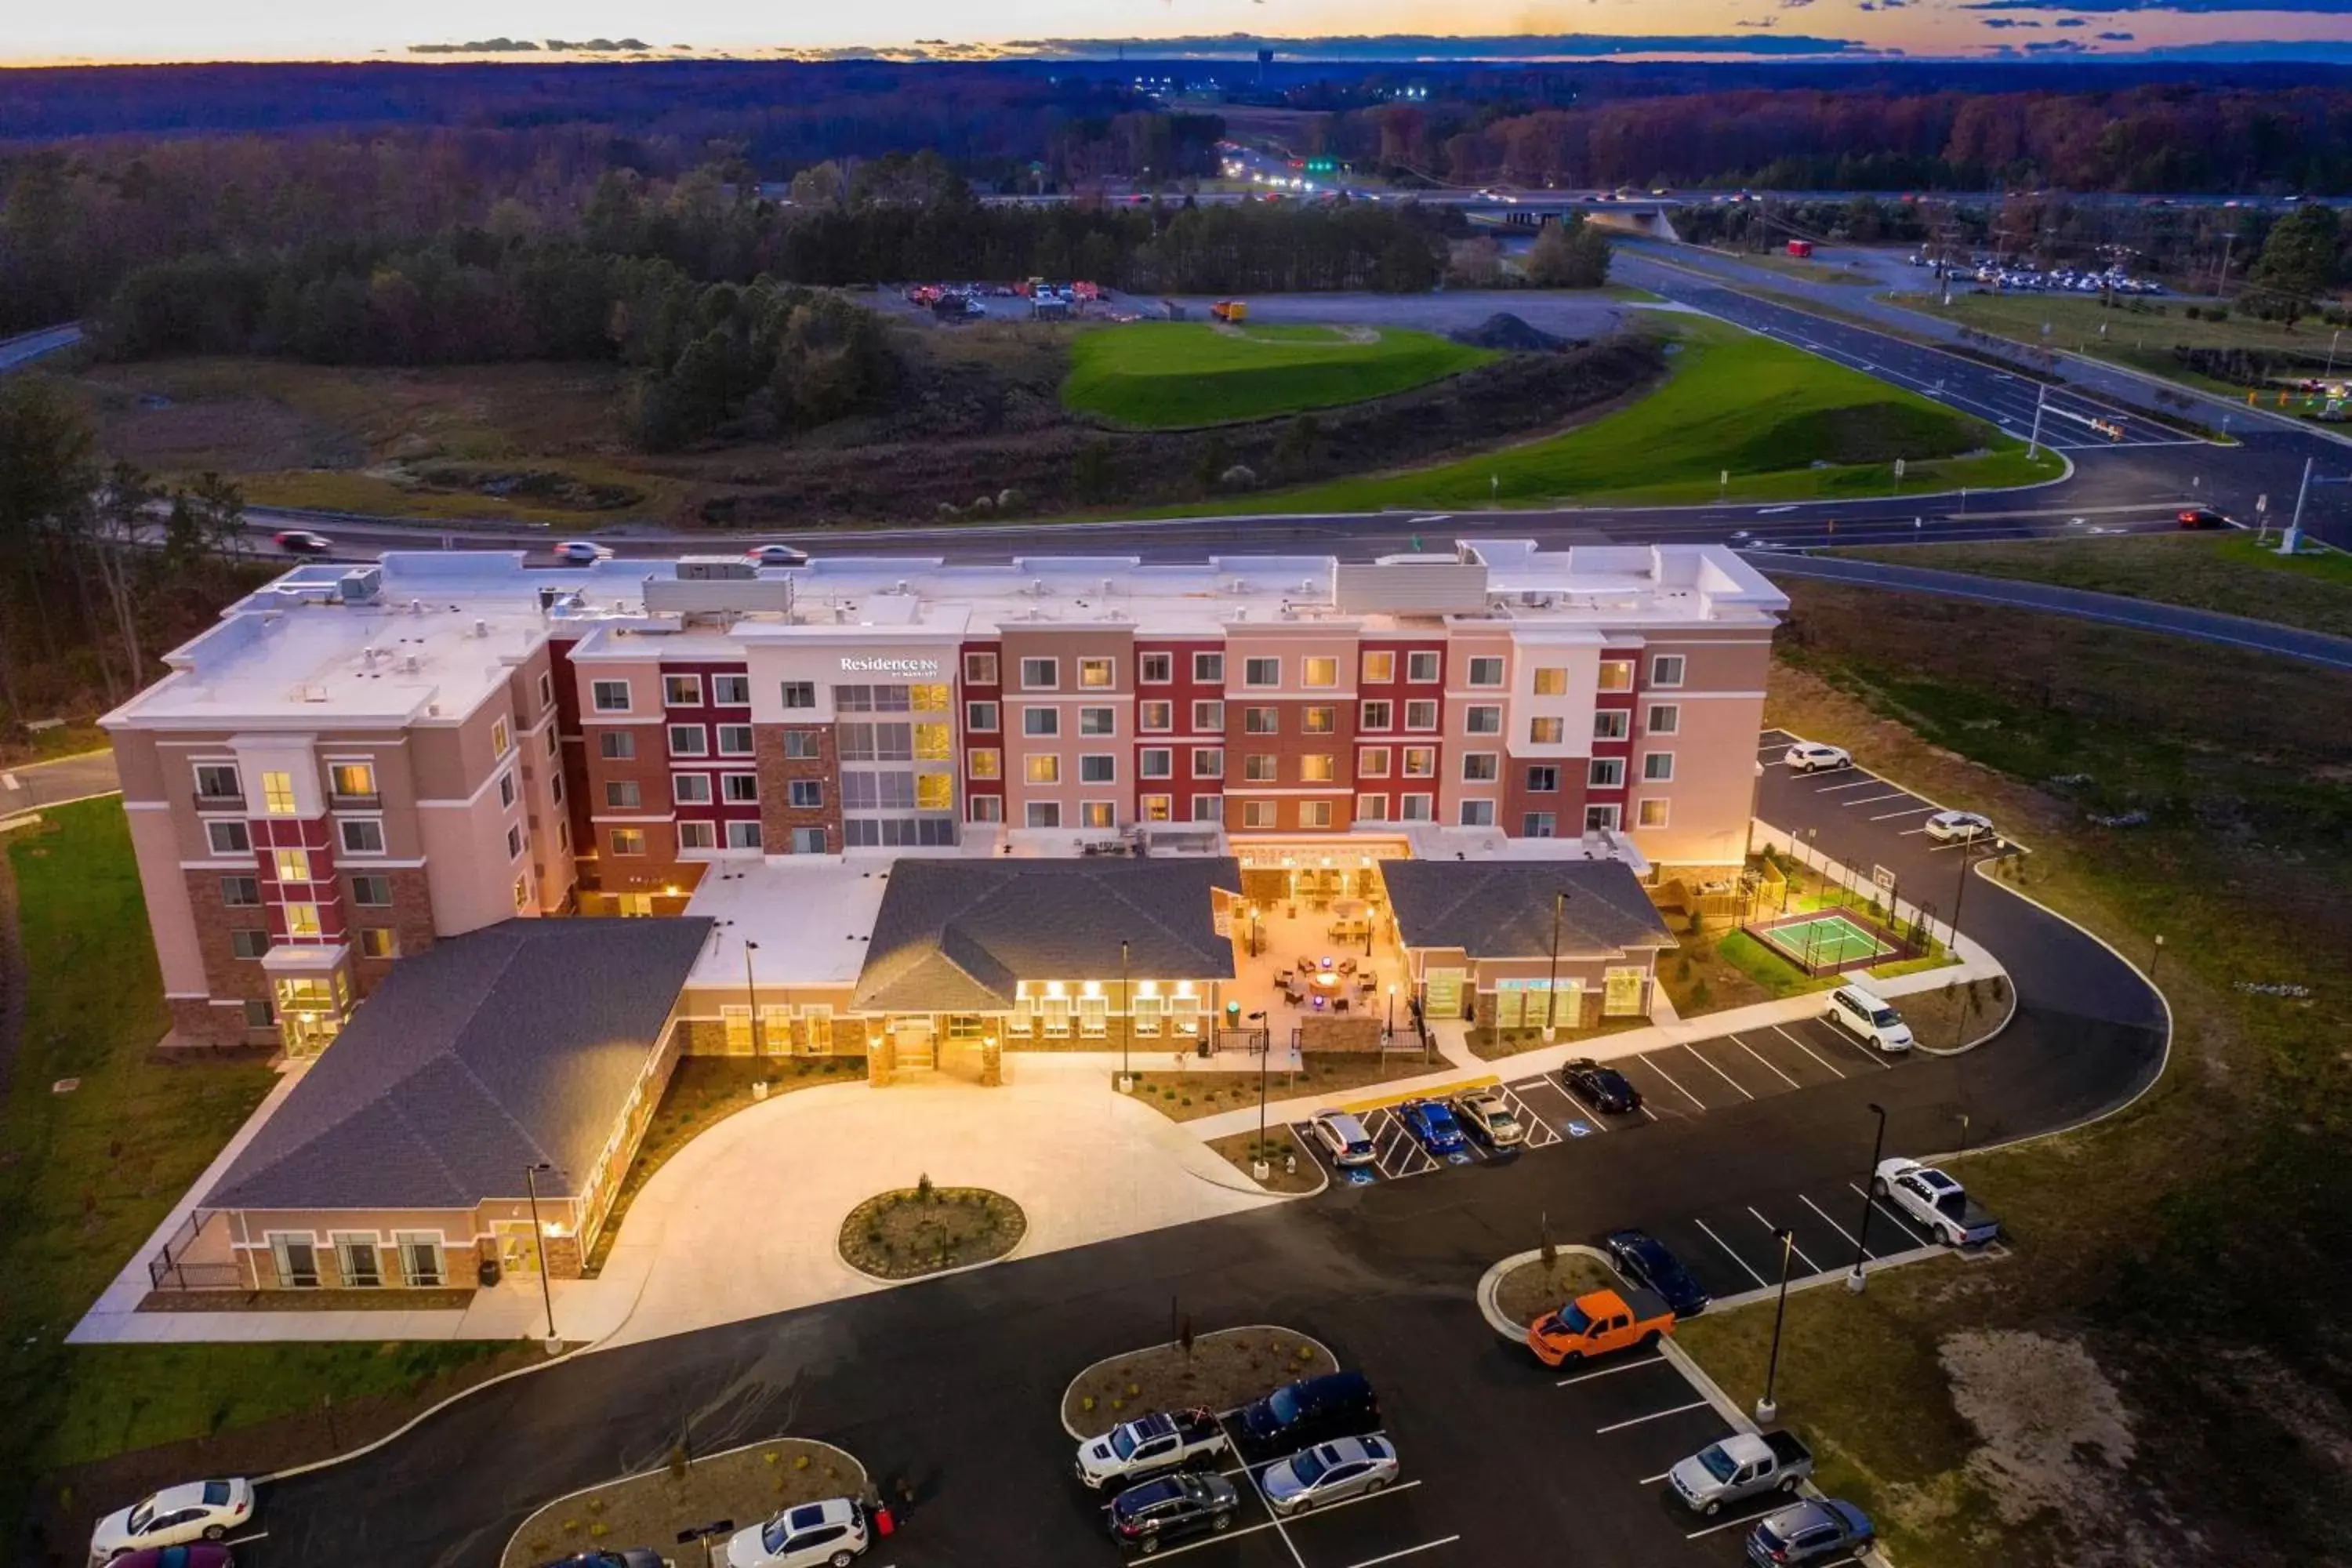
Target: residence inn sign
855, 666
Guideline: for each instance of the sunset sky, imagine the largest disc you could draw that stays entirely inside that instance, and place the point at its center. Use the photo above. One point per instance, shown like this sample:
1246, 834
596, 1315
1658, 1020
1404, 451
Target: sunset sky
275, 29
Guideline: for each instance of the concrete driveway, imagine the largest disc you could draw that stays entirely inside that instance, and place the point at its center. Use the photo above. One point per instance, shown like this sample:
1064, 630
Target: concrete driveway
742, 1221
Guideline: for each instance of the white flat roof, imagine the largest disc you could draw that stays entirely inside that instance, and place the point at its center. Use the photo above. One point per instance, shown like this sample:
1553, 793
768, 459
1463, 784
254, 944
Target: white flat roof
810, 914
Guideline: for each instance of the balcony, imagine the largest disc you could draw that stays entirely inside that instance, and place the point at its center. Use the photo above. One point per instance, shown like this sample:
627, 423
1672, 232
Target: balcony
235, 803
338, 801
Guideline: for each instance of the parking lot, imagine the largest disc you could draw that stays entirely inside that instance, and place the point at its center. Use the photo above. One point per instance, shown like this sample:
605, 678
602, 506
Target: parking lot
1397, 1154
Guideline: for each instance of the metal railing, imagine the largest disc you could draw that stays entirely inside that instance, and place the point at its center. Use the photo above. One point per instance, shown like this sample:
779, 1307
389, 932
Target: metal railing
168, 1271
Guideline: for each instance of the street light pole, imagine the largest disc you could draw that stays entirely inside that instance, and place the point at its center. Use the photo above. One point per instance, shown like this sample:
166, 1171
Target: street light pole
530, 1174
1390, 1032
1767, 1409
1551, 985
751, 993
2155, 959
2033, 442
1853, 1281
1127, 1026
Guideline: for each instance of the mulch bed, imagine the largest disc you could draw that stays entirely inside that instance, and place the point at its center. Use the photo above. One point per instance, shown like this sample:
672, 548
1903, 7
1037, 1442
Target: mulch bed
1226, 1367
1240, 1149
747, 1485
914, 1231
1528, 1291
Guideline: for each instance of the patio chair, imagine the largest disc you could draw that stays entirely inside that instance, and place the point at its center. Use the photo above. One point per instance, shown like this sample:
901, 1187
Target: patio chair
1347, 966
1339, 1005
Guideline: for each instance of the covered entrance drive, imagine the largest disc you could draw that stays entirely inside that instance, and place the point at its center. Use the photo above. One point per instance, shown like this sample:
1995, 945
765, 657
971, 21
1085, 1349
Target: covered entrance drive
310, 992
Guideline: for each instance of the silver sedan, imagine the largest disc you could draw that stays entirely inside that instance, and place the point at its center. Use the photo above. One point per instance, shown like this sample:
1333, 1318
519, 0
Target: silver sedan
1329, 1473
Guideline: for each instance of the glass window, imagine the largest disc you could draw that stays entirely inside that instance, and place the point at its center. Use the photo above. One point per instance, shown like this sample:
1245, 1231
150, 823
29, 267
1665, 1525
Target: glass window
1209, 668
1652, 813
1421, 762
514, 843
1547, 730
371, 892
293, 865
1543, 780
1156, 762
1485, 670
1379, 667
1041, 674
378, 941
1317, 770
246, 942
1372, 762
1607, 773
803, 745
1376, 715
743, 789
1601, 818
1538, 825
616, 746
228, 838
1479, 767
258, 1015
1261, 672
987, 763
1666, 718
926, 697
1314, 814
933, 743
1319, 670
363, 836
1044, 768
1261, 720
1667, 669
1415, 808
734, 740
1317, 721
1483, 720
1259, 813
743, 835
218, 781
506, 789
1155, 718
800, 693
985, 808
1209, 762
980, 668
1477, 814
1041, 721
1616, 675
685, 789
731, 691
546, 689
934, 792
1371, 808
278, 794
1097, 814
609, 695
688, 741
808, 841
1421, 714
1551, 683
352, 779
1098, 768
1045, 814
980, 716
1261, 767
1155, 669
1208, 809
1612, 724
1657, 767
1096, 673
682, 691
1421, 667
627, 840
301, 920
1209, 718
1097, 722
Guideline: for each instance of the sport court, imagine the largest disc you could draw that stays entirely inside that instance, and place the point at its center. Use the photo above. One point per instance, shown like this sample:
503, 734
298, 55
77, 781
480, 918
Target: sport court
1823, 941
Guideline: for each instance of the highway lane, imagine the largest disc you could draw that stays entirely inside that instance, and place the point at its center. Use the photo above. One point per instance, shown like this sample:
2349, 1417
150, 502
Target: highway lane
25, 348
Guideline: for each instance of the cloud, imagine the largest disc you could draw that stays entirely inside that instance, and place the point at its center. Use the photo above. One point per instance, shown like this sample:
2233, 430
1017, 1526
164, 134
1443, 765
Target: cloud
2056, 46
1765, 22
2008, 21
2115, 37
481, 46
2070, 22
2309, 7
594, 46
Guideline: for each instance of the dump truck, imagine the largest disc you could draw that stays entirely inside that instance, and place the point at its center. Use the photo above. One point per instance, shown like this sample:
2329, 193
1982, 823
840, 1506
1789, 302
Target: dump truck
1598, 1323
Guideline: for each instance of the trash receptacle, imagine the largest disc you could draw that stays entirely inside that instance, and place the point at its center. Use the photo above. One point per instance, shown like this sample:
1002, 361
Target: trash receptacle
1205, 1048
489, 1272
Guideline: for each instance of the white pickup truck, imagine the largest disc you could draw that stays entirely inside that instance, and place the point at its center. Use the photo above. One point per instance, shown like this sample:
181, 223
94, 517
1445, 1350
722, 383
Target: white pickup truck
1936, 1202
1151, 1445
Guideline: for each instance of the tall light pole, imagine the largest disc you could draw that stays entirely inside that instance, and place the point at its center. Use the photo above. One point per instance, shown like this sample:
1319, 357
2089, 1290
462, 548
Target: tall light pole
530, 1174
1767, 1409
1390, 1033
751, 993
2033, 442
1853, 1281
2333, 340
1127, 1026
1259, 1164
1551, 985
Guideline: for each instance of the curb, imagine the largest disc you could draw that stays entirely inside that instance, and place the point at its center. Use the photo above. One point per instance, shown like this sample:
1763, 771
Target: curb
1490, 1281
414, 1421
1076, 1437
886, 1282
865, 1477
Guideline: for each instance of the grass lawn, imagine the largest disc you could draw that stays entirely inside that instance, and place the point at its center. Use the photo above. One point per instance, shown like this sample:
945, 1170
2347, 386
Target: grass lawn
1698, 977
1173, 374
1225, 1367
2028, 1409
2227, 572
2143, 339
745, 1485
1806, 271
1765, 412
85, 1177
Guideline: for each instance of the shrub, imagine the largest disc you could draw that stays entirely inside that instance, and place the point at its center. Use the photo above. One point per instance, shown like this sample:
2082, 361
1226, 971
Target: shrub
924, 1191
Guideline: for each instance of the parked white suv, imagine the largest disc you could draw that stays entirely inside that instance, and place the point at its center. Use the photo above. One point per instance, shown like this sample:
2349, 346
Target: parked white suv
831, 1532
1867, 1017
1811, 756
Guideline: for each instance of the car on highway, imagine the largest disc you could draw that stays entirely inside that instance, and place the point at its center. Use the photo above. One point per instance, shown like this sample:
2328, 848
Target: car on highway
1147, 1518
1432, 1124
1604, 1088
194, 1510
582, 553
1951, 826
776, 556
1826, 1529
1328, 1473
831, 1532
301, 540
2202, 517
1811, 756
1311, 1410
1487, 1116
1343, 1138
1651, 1264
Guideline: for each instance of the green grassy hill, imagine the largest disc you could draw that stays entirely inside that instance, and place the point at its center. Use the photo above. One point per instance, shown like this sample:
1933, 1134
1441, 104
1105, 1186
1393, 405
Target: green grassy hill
1171, 374
1786, 426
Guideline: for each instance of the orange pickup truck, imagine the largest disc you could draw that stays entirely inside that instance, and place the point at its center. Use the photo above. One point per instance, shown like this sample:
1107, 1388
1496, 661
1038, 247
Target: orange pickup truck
1598, 1323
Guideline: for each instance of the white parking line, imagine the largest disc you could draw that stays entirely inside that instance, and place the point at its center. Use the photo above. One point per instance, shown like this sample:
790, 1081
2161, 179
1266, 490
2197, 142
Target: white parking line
1726, 1247
1776, 1072
1912, 811
1723, 1075
1274, 1519
1727, 1524
1663, 1073
1834, 1226
1876, 799
1653, 1415
242, 1540
1611, 1371
1873, 1056
1229, 1535
1654, 1481
1903, 1222
1800, 1251
1858, 783
1539, 1133
1407, 1551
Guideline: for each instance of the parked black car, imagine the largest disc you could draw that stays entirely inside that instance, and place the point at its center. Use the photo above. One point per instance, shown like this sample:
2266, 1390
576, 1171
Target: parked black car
1312, 1410
1650, 1264
1602, 1088
627, 1557
1146, 1518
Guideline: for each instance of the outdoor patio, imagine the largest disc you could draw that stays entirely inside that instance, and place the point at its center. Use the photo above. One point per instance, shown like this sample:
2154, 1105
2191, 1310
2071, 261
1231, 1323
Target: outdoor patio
1340, 962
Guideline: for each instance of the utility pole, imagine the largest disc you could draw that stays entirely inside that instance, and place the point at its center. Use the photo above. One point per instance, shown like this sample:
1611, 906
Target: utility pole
1127, 1027
2221, 279
2291, 540
1767, 1409
2033, 442
1551, 986
530, 1174
751, 993
1854, 1281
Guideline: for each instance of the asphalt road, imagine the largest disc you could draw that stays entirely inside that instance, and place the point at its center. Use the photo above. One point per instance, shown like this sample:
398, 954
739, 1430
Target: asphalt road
30, 346
37, 784
955, 1384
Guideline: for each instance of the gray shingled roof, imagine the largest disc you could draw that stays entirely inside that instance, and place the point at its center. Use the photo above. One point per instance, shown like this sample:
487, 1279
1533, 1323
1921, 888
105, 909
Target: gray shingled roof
954, 936
485, 1054
1502, 909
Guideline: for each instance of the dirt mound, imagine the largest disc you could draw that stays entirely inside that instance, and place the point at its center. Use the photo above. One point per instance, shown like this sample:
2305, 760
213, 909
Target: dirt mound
1507, 333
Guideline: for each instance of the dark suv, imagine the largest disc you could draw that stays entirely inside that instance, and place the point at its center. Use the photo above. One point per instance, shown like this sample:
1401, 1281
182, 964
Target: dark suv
1312, 1410
1146, 1518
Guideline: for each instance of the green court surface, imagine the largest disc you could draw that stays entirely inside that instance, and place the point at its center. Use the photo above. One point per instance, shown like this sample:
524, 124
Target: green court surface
1825, 940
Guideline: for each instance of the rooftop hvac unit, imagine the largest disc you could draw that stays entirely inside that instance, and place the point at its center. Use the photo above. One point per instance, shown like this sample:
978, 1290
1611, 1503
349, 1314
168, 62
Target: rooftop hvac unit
481, 627
415, 606
360, 584
1535, 601
411, 665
